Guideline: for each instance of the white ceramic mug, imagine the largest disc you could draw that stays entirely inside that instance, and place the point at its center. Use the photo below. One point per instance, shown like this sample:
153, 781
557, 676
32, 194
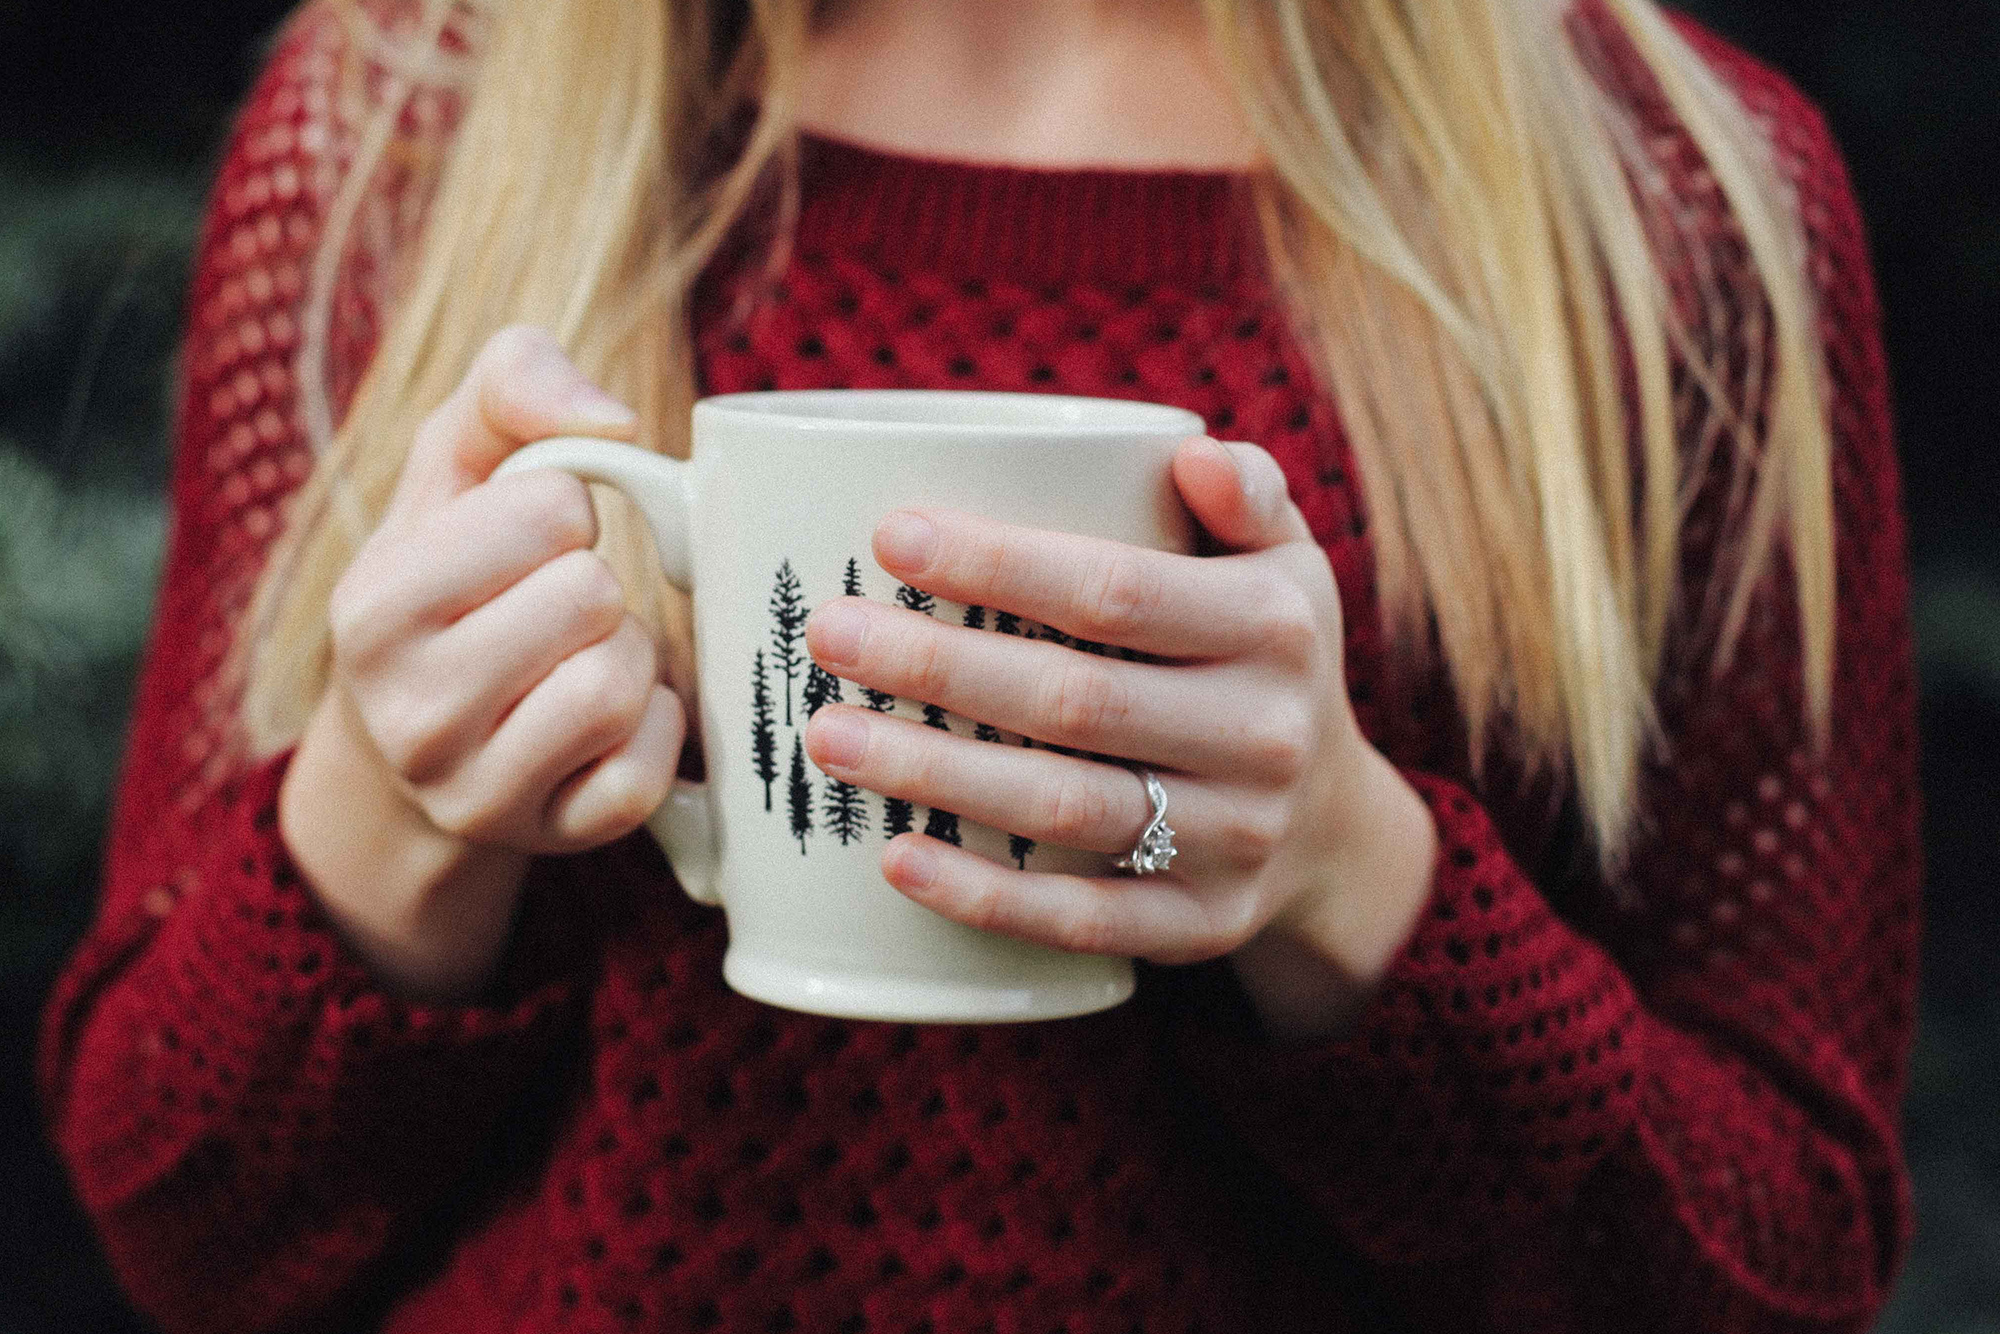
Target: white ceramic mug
771, 515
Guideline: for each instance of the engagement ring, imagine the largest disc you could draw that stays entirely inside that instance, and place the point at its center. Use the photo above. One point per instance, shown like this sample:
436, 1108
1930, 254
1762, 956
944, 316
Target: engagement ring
1155, 849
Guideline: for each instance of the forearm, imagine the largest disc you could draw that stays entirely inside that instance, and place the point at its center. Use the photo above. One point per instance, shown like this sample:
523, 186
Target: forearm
1312, 969
427, 911
247, 1118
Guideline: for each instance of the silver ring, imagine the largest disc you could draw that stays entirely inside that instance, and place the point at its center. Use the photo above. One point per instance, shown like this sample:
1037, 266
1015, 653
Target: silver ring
1154, 852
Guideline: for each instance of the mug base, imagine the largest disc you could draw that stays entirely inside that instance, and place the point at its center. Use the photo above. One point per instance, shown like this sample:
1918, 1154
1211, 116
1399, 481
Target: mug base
912, 1000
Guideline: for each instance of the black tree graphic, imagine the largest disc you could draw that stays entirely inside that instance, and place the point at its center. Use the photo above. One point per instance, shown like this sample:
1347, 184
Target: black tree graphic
898, 817
975, 617
944, 825
915, 599
801, 795
788, 610
763, 739
941, 824
850, 583
845, 813
822, 689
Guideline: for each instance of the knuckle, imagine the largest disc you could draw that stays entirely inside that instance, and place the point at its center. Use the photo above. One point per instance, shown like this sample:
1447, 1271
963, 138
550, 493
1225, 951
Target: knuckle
612, 680
588, 589
413, 734
927, 664
636, 668
1085, 702
349, 619
1092, 929
557, 508
985, 907
1119, 594
1249, 838
990, 563
1289, 624
628, 803
1078, 811
436, 434
465, 813
511, 351
1232, 920
1279, 745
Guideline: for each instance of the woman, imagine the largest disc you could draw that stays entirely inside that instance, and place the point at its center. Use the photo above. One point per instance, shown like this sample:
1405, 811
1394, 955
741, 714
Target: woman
1540, 955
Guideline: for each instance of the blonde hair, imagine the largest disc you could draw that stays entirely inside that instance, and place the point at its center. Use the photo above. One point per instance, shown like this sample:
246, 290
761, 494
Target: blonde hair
1463, 217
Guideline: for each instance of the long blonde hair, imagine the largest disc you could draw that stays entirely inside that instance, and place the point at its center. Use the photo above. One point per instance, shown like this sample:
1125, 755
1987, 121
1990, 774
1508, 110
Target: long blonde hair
1464, 220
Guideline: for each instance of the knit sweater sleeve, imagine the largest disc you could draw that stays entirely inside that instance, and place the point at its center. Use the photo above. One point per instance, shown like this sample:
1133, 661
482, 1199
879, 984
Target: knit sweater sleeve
1685, 1117
250, 1122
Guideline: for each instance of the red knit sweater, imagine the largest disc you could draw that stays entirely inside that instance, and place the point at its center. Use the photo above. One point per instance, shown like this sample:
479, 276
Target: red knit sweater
1669, 1102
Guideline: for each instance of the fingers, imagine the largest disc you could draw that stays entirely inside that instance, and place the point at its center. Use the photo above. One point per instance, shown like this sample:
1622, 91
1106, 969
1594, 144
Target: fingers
1237, 493
439, 565
1050, 798
590, 705
1156, 602
1198, 719
1153, 917
1040, 794
520, 388
615, 795
457, 684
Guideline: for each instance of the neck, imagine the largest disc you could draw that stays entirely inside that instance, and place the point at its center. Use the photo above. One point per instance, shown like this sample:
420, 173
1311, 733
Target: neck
1118, 83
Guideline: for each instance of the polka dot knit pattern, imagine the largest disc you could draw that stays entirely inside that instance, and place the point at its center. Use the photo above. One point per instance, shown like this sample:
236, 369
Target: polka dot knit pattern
1670, 1101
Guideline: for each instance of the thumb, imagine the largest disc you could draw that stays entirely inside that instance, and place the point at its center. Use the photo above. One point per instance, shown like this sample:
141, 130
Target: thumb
1237, 493
521, 388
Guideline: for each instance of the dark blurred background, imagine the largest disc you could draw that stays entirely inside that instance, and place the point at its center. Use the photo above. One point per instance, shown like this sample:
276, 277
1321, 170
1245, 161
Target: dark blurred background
111, 114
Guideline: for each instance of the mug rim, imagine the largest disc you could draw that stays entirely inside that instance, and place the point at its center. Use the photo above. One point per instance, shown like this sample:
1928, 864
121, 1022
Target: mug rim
968, 414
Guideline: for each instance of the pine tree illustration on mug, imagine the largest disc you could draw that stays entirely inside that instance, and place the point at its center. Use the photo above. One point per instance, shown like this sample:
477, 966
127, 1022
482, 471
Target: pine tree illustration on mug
788, 611
801, 795
844, 812
822, 689
763, 737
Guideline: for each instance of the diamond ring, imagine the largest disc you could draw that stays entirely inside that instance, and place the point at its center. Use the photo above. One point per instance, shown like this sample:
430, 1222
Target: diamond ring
1154, 852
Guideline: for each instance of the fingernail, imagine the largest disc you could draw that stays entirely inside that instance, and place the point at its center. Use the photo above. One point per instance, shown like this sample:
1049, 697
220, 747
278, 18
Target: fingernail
1213, 447
590, 407
905, 540
1248, 476
838, 738
834, 632
914, 866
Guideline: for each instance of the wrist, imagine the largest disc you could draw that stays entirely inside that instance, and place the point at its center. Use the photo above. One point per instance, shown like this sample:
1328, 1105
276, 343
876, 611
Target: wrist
428, 911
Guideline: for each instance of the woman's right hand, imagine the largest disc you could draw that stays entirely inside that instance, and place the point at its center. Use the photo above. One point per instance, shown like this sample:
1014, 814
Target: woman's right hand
489, 697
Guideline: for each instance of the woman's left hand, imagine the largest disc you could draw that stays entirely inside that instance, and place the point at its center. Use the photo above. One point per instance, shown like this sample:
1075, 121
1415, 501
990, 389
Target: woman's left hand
1276, 797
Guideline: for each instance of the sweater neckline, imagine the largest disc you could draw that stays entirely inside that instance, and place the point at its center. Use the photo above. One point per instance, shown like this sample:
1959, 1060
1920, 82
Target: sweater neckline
1035, 223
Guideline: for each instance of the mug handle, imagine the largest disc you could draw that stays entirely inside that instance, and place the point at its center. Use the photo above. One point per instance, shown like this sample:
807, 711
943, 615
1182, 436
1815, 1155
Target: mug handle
685, 823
